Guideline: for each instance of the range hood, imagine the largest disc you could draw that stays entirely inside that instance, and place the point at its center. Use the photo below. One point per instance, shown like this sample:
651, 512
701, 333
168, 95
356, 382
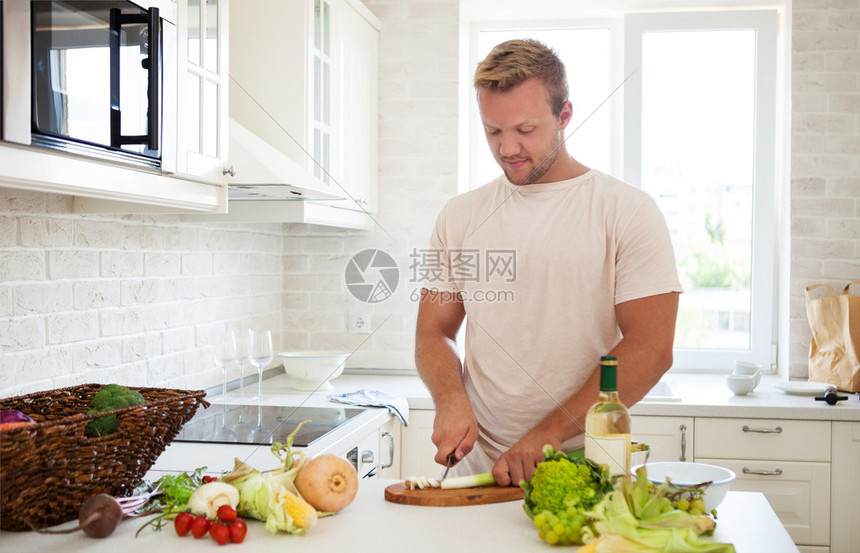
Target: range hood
261, 172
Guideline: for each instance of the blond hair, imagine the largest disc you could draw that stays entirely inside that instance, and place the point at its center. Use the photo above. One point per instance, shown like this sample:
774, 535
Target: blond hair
514, 61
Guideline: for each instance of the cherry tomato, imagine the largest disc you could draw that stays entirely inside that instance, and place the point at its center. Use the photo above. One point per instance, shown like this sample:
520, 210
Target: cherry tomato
227, 513
238, 530
199, 526
182, 523
207, 478
219, 533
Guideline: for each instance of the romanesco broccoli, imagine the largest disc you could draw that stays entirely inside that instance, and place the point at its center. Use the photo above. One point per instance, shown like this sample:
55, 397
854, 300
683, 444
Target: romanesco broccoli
109, 397
562, 481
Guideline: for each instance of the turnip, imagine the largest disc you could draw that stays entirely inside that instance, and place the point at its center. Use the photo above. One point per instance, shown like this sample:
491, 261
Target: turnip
328, 482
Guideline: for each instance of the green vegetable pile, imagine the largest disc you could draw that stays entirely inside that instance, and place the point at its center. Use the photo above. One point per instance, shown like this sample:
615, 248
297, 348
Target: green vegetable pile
108, 398
572, 500
640, 517
563, 488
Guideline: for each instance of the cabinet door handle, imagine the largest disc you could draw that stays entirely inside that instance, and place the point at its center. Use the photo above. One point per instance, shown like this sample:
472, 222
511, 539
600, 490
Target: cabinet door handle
683, 429
777, 472
777, 430
228, 171
367, 456
390, 462
352, 457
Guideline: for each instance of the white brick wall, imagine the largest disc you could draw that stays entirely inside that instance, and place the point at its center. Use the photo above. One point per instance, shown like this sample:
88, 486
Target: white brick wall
129, 299
825, 156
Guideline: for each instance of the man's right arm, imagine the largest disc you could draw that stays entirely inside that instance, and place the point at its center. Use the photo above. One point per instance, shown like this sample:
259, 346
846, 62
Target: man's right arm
440, 315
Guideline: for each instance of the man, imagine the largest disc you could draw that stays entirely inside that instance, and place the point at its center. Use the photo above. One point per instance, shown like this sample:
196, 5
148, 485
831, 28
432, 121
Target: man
551, 265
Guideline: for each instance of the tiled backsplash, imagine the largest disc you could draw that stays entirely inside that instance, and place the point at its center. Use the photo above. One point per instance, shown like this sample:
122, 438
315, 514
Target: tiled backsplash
131, 299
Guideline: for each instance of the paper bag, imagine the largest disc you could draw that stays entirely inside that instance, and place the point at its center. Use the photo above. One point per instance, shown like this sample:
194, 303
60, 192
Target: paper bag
834, 352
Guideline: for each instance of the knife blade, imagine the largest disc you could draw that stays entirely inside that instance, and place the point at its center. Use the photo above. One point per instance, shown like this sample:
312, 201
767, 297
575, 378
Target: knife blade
447, 468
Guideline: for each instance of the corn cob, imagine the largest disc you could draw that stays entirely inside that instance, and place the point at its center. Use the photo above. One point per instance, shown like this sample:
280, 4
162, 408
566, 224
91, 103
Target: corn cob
303, 513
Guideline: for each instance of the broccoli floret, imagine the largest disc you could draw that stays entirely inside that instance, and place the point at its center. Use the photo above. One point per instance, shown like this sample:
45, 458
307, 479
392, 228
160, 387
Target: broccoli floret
562, 482
109, 397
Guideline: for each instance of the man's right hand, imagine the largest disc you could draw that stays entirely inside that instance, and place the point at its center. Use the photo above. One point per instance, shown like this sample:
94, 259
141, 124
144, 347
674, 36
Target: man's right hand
455, 429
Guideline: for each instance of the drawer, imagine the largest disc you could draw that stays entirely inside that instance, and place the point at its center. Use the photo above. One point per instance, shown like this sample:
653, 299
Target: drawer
670, 438
799, 493
775, 439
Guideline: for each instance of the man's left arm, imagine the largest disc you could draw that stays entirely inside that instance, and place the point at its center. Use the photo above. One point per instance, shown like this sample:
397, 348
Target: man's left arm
644, 354
645, 350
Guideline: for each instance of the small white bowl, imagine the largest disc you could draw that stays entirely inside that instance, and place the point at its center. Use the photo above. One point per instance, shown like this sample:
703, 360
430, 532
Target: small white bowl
749, 368
740, 384
314, 368
691, 474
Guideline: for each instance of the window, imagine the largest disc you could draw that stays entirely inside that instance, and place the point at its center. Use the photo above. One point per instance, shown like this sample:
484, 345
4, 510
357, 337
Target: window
693, 123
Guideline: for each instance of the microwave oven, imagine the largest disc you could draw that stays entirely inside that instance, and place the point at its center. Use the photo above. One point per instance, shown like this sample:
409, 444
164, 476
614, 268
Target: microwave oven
91, 78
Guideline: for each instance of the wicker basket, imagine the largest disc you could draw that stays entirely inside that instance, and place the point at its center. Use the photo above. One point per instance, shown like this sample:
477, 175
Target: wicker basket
48, 469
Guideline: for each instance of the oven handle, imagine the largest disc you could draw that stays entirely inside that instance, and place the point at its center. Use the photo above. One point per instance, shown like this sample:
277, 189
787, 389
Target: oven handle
153, 67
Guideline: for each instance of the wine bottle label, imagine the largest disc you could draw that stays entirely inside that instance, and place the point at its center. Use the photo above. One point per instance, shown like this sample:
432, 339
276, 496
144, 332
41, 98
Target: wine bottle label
610, 450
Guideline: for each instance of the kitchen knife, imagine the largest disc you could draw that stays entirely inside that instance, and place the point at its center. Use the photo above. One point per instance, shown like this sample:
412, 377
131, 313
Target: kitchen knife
447, 468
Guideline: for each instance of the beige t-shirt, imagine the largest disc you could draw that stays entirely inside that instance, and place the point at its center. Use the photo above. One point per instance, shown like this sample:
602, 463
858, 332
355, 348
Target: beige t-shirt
540, 269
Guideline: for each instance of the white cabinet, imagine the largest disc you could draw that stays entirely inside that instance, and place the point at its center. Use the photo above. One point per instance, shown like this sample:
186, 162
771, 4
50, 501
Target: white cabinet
787, 460
418, 450
269, 50
202, 88
304, 79
376, 454
357, 96
845, 476
669, 438
389, 456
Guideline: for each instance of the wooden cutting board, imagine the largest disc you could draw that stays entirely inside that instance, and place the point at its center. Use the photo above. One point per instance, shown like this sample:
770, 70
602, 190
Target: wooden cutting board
399, 493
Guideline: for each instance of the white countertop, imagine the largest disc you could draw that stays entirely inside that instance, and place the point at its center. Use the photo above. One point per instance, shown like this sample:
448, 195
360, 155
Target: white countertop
706, 395
372, 524
703, 395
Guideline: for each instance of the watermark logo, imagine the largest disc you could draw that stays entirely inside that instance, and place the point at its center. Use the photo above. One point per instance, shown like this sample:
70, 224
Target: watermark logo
371, 276
466, 265
479, 275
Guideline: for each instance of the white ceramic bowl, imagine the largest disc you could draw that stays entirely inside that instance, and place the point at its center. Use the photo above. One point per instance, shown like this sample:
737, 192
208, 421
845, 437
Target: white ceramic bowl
748, 368
740, 384
691, 474
314, 368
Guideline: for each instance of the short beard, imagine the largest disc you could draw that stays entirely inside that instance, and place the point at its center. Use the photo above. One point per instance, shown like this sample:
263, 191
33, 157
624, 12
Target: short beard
540, 169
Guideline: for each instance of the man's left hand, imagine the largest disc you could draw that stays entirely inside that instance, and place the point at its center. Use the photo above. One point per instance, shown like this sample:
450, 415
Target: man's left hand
519, 462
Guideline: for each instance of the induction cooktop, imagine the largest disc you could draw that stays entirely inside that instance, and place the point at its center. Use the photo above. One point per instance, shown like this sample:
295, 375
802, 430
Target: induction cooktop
236, 423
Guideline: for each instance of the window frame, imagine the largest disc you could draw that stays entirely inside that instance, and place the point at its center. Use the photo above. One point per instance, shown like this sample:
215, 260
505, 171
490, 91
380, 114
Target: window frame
762, 299
626, 145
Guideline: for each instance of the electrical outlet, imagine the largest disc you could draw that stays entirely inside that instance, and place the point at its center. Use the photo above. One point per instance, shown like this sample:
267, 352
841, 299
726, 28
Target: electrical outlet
359, 322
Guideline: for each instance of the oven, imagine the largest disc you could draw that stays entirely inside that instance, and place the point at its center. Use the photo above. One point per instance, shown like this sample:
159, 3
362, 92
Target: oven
94, 78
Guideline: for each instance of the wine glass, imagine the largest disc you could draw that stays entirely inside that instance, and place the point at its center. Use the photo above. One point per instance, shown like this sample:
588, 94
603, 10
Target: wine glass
225, 434
225, 356
260, 434
242, 427
260, 354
